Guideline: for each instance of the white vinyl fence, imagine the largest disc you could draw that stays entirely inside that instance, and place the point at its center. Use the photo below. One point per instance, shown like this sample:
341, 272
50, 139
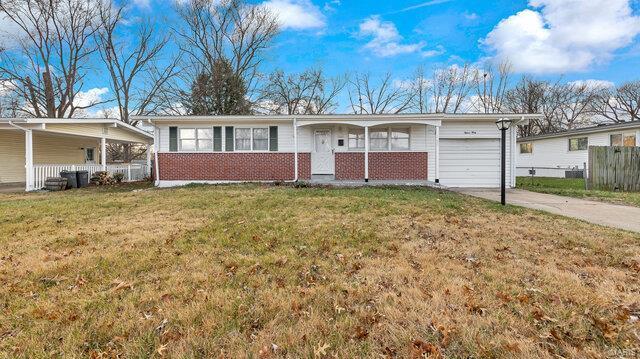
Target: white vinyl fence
131, 172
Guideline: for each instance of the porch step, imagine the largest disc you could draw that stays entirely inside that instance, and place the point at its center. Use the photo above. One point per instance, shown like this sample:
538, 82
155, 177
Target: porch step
323, 178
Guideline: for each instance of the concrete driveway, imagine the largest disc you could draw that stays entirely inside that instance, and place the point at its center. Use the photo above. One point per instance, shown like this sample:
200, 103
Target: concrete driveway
606, 214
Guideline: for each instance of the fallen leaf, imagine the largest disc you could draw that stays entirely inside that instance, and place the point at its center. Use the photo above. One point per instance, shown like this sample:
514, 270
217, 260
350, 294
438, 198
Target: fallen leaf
420, 349
360, 333
161, 349
119, 285
321, 350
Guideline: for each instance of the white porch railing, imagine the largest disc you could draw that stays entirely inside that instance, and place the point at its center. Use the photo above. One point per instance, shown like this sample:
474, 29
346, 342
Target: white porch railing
131, 172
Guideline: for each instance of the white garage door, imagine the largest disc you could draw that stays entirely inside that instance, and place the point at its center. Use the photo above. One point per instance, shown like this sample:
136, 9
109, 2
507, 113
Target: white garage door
470, 162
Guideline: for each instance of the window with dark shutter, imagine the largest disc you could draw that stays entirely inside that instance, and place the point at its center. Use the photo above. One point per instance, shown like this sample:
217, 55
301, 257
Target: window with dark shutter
217, 138
273, 138
228, 138
173, 139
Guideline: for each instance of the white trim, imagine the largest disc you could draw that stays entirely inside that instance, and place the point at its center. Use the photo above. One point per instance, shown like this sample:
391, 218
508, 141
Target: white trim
196, 139
80, 121
295, 149
28, 155
512, 157
148, 148
103, 153
366, 153
314, 152
165, 184
156, 149
346, 117
437, 154
86, 149
251, 128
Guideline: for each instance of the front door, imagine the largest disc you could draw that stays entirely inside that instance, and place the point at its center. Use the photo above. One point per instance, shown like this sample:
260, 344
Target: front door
322, 159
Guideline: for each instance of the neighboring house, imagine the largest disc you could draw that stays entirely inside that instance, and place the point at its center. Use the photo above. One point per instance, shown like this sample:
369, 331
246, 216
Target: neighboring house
32, 149
553, 154
454, 150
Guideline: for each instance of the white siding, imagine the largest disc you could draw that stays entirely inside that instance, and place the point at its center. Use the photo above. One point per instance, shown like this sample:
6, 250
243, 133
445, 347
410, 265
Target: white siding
554, 153
285, 133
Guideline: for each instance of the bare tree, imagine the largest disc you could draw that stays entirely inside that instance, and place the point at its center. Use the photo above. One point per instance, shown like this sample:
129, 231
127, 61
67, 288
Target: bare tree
135, 74
527, 96
134, 71
421, 89
491, 87
449, 89
230, 29
620, 104
575, 107
563, 106
310, 92
48, 64
368, 97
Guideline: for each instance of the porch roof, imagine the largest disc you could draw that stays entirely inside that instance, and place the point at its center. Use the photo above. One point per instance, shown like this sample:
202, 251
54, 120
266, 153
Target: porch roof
111, 129
428, 118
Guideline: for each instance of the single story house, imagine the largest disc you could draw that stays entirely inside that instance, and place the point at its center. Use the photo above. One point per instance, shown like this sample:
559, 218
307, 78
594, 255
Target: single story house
554, 153
32, 149
462, 150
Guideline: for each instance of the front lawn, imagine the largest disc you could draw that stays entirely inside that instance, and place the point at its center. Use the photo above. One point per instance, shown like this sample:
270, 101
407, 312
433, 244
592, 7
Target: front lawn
252, 271
572, 187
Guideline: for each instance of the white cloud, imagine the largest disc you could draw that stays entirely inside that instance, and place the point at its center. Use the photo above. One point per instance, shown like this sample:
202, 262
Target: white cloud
424, 4
90, 97
563, 35
470, 16
386, 40
297, 14
594, 84
332, 5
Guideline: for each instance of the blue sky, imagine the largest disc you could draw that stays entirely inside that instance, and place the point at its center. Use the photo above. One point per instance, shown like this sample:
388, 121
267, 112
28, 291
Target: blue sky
548, 39
578, 39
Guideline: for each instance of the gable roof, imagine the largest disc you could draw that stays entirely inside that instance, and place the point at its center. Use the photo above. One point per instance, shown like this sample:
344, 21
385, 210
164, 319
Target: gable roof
78, 121
584, 131
352, 117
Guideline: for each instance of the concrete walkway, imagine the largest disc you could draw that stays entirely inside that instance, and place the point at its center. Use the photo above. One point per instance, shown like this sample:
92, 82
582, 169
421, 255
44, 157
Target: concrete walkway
606, 214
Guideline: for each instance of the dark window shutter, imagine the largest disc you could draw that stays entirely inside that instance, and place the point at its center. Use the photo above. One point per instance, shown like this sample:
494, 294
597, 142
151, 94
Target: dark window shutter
273, 138
173, 139
228, 143
217, 138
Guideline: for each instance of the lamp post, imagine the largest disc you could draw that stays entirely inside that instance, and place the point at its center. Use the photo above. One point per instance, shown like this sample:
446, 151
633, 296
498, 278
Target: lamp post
503, 125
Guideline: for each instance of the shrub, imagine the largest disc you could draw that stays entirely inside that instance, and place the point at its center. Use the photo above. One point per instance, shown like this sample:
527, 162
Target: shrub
118, 177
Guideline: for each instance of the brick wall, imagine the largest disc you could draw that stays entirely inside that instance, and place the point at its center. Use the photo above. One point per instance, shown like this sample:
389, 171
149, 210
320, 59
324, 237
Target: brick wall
232, 166
382, 165
349, 166
398, 165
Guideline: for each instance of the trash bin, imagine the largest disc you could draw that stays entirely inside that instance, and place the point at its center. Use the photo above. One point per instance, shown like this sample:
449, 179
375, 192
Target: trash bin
82, 178
71, 176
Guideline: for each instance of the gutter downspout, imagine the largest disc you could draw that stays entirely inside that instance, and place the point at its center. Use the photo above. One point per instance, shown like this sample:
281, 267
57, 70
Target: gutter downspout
295, 145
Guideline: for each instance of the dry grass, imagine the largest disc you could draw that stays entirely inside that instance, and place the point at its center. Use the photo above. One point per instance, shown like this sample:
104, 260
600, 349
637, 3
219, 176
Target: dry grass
280, 272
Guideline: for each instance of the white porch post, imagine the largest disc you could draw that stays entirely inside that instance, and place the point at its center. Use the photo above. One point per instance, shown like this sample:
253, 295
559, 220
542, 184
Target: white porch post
103, 153
366, 153
295, 149
148, 159
437, 154
28, 160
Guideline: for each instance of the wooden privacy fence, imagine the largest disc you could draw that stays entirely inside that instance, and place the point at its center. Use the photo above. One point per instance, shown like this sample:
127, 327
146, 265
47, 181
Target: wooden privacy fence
614, 168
